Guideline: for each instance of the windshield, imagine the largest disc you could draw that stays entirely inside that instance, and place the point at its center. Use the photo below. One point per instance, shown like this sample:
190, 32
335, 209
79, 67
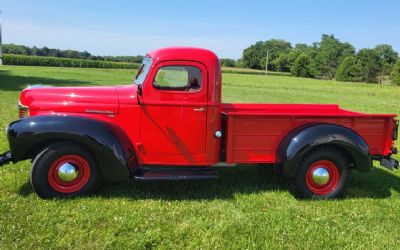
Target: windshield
143, 70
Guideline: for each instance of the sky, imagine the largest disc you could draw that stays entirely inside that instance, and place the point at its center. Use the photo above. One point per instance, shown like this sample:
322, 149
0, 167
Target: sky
122, 27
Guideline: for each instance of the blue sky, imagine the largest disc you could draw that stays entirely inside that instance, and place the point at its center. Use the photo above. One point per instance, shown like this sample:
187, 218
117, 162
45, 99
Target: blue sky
226, 27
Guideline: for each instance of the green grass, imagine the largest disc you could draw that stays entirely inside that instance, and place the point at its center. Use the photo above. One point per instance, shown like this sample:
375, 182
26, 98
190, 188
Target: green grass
245, 209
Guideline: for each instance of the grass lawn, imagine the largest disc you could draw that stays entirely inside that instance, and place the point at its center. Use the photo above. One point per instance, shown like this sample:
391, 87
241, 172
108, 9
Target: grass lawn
245, 208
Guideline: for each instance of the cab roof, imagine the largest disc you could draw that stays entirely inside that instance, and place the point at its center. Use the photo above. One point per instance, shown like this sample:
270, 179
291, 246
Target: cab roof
185, 54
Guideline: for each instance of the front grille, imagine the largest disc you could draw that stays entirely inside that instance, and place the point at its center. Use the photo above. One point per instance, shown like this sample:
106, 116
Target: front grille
23, 111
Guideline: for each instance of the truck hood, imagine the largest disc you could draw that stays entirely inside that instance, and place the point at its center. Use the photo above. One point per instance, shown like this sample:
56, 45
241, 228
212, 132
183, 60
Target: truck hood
78, 99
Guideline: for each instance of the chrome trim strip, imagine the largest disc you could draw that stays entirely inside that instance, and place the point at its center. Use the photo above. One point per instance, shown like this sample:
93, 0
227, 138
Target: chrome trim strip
96, 111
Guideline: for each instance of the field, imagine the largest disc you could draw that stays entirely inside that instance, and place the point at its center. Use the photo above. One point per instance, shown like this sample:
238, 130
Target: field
246, 208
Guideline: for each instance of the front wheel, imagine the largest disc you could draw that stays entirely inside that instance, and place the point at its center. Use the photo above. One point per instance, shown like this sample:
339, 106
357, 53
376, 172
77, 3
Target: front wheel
323, 174
64, 170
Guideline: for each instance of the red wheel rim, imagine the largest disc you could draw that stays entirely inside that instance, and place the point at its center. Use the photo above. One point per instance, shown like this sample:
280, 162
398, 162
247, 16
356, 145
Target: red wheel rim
333, 177
82, 178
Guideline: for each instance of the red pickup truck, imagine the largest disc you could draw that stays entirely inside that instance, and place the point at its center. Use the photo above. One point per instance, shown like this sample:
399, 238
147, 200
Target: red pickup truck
170, 124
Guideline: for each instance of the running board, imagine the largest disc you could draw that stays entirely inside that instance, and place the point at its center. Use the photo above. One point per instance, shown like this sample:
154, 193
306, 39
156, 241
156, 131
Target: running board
174, 174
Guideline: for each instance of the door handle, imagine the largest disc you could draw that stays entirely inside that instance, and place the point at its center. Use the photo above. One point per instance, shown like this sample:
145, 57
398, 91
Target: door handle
199, 109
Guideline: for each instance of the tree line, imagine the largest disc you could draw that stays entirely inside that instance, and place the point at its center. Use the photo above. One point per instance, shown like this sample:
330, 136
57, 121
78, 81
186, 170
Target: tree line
48, 52
328, 59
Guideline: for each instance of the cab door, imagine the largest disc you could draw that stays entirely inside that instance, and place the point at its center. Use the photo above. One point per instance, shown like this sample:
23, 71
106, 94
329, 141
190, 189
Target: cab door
174, 114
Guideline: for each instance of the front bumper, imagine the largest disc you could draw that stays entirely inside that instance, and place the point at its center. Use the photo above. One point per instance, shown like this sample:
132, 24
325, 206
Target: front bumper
5, 158
390, 163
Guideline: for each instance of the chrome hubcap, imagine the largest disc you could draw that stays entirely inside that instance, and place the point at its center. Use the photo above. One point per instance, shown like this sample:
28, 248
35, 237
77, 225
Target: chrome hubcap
320, 176
67, 172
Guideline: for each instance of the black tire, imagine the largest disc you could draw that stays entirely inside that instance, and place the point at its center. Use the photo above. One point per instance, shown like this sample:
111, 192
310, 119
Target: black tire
332, 160
43, 182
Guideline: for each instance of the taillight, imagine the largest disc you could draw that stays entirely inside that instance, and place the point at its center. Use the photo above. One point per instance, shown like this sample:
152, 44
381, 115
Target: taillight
23, 111
395, 130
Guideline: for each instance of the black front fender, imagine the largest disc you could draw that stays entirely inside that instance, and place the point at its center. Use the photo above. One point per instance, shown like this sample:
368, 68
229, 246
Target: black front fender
107, 142
302, 140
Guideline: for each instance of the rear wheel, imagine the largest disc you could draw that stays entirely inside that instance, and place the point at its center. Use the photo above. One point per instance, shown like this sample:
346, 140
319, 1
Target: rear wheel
323, 174
64, 170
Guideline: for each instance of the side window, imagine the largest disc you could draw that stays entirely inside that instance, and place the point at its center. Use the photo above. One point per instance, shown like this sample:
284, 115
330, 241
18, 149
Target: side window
178, 78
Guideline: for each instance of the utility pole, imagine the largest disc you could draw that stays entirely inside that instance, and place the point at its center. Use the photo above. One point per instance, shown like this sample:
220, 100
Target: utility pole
1, 44
266, 65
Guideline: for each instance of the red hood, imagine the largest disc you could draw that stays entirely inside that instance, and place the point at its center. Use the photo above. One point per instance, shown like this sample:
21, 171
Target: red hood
78, 99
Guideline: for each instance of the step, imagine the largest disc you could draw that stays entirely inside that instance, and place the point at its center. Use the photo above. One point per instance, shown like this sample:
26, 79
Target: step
178, 173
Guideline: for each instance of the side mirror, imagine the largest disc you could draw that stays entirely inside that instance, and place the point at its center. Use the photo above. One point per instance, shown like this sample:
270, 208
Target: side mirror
139, 87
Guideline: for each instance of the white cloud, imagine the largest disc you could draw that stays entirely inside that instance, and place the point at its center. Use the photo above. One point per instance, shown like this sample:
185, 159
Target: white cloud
102, 42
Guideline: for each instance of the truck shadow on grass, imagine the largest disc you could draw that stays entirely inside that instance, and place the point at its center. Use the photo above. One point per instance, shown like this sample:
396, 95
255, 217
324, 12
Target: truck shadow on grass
10, 82
237, 181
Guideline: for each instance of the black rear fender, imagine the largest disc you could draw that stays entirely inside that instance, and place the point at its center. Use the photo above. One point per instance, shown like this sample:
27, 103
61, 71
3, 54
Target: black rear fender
304, 139
109, 144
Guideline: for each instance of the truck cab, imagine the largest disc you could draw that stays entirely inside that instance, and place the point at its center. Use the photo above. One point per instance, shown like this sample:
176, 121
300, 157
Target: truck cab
180, 101
171, 124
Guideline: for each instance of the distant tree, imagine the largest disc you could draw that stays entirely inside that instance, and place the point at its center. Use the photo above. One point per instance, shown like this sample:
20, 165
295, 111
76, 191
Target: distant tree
54, 52
226, 62
301, 46
285, 60
396, 73
16, 49
349, 70
387, 53
388, 58
292, 56
255, 56
370, 64
282, 63
35, 51
330, 54
302, 66
275, 47
239, 63
24, 50
84, 55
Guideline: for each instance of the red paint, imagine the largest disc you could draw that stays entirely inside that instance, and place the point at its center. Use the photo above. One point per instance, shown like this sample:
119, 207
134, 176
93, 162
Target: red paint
334, 176
256, 130
166, 130
71, 186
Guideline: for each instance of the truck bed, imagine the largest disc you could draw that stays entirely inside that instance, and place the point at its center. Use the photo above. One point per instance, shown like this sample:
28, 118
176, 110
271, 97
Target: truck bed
254, 131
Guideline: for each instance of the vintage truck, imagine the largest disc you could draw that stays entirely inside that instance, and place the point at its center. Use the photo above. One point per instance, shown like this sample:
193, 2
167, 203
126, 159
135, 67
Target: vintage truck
170, 124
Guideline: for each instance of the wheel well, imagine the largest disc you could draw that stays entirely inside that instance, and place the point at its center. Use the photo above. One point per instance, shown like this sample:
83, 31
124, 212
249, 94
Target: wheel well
344, 152
105, 171
37, 148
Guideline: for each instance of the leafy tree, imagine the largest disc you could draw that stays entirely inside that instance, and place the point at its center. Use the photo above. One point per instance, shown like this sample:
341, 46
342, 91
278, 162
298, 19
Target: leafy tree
239, 63
226, 62
370, 64
301, 67
301, 46
255, 56
349, 70
275, 47
49, 52
16, 49
387, 56
396, 73
282, 63
330, 54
